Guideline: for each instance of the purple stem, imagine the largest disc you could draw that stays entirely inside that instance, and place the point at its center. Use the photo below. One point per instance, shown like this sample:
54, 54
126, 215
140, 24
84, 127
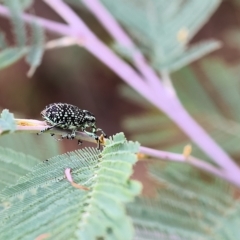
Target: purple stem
179, 115
198, 163
119, 35
185, 121
171, 106
102, 52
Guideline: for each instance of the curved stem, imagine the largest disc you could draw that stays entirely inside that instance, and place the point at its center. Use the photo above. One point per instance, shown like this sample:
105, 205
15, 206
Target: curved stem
196, 162
120, 36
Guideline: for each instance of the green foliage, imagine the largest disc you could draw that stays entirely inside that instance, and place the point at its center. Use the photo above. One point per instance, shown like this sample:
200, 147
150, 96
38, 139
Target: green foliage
193, 53
43, 201
7, 122
36, 51
164, 28
34, 48
189, 206
17, 22
10, 55
14, 165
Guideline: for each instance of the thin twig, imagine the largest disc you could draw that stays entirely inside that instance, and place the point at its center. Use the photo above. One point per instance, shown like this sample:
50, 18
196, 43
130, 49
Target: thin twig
196, 162
36, 126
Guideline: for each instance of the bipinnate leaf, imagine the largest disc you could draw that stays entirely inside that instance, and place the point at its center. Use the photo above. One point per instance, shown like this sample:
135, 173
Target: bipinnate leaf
164, 29
44, 202
36, 49
189, 206
14, 165
16, 10
191, 54
7, 122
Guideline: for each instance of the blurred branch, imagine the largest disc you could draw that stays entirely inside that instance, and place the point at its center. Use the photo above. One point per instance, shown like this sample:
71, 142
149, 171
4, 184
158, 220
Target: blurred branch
119, 35
154, 93
63, 42
196, 162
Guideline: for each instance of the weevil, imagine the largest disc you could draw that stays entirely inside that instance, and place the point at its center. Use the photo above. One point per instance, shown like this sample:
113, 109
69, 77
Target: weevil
69, 117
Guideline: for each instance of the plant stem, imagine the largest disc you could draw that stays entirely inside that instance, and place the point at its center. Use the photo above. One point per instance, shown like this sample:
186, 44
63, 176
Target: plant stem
196, 162
119, 35
35, 126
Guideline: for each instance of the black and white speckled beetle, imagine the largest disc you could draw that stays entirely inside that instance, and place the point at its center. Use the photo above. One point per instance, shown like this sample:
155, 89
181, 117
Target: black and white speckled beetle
70, 117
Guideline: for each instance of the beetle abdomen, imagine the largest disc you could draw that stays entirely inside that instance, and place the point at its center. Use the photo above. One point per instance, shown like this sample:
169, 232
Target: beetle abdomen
67, 116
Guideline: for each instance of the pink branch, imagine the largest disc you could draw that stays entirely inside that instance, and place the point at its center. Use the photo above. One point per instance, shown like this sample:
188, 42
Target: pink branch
116, 31
198, 163
35, 126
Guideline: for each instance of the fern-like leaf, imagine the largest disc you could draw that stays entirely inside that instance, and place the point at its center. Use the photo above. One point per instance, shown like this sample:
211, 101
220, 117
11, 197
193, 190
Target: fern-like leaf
164, 28
187, 207
11, 55
14, 165
192, 54
43, 201
18, 24
36, 49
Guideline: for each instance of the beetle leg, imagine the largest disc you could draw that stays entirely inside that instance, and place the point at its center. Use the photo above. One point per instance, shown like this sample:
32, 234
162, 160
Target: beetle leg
49, 128
98, 142
100, 130
62, 137
73, 134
